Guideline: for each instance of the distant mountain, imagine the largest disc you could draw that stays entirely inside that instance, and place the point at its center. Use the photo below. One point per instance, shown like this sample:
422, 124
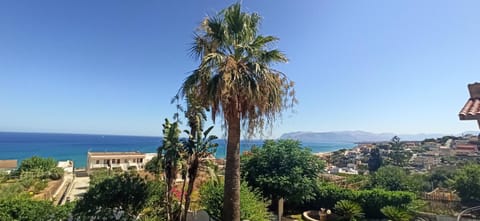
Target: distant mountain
353, 136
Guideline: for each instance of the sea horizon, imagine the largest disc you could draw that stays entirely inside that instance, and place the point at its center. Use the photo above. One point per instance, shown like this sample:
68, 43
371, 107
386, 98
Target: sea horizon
66, 146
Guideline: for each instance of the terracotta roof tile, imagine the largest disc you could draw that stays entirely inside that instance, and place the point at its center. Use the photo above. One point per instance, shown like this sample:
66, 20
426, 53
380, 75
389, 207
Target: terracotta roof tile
471, 110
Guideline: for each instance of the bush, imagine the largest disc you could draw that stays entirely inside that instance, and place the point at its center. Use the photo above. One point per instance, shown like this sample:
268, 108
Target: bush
39, 186
56, 173
24, 208
371, 201
37, 163
396, 214
27, 182
348, 210
252, 206
127, 191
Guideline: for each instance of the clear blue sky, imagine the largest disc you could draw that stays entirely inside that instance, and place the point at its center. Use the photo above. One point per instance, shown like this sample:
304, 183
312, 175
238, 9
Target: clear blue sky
112, 66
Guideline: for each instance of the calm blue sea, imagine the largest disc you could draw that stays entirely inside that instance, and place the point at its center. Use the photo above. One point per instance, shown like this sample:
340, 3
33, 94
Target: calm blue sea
75, 146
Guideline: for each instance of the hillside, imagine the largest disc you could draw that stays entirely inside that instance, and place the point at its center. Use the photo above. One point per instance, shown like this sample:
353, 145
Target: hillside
353, 136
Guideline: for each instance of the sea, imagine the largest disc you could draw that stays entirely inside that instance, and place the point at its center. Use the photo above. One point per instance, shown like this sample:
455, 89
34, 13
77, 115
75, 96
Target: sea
74, 147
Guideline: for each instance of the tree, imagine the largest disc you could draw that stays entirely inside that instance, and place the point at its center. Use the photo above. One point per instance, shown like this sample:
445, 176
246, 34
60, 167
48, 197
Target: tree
199, 145
153, 166
375, 160
40, 167
171, 153
391, 178
126, 192
467, 183
252, 206
235, 80
282, 169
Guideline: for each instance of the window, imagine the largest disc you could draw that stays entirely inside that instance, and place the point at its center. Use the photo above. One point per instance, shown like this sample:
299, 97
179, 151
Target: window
126, 161
141, 160
118, 161
98, 162
113, 161
134, 160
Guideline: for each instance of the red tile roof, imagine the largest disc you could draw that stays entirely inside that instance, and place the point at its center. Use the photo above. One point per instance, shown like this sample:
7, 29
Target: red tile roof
471, 110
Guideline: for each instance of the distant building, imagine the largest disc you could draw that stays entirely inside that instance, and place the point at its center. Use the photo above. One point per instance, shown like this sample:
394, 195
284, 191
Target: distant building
67, 166
8, 165
466, 149
122, 160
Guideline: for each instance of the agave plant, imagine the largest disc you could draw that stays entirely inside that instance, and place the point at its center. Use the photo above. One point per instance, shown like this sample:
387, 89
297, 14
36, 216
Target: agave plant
348, 210
396, 214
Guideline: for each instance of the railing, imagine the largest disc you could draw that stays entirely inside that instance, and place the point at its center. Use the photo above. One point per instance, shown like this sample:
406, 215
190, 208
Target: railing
467, 211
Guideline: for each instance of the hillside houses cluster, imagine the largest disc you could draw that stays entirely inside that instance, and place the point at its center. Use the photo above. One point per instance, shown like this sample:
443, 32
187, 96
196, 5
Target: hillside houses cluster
422, 156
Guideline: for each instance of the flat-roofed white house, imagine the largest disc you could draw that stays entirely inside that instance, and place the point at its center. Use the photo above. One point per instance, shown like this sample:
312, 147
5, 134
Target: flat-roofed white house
123, 160
8, 165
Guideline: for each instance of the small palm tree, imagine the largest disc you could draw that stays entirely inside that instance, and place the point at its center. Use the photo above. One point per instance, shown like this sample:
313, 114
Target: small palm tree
235, 80
170, 155
396, 214
348, 210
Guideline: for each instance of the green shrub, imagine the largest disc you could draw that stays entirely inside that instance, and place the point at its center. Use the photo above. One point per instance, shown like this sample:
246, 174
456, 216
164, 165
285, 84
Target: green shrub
27, 182
348, 210
252, 206
371, 201
396, 214
56, 173
39, 186
37, 163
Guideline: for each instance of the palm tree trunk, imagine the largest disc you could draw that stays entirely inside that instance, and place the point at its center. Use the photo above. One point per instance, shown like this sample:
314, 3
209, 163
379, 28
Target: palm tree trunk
192, 175
231, 195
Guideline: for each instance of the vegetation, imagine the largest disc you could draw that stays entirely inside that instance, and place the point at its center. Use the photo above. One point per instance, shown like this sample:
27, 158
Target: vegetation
252, 206
282, 169
394, 178
234, 79
25, 208
396, 214
375, 160
348, 210
36, 163
467, 183
126, 192
170, 155
371, 201
199, 145
153, 166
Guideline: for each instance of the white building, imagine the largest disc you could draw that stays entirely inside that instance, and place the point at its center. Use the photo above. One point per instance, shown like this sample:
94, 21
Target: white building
123, 160
67, 166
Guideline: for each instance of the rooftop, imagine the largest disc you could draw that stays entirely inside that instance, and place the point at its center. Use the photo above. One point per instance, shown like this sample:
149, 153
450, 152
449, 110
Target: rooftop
471, 109
115, 153
8, 164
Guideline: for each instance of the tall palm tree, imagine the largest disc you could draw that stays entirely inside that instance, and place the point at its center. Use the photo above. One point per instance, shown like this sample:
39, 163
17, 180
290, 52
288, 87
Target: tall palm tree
236, 81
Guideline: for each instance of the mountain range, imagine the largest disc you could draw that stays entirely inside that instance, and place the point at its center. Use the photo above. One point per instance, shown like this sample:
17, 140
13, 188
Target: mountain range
355, 136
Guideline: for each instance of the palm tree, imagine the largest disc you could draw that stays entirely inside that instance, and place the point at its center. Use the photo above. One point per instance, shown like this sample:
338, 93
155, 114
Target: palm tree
199, 145
348, 210
170, 156
236, 81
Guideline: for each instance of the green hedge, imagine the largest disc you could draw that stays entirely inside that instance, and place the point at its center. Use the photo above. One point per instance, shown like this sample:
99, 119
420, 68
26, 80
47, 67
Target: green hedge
371, 201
